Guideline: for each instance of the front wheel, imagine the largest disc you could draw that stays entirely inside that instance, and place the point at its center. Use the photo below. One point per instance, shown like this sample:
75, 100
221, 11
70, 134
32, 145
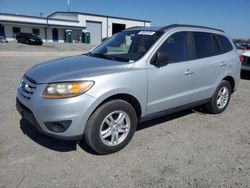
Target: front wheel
111, 127
220, 99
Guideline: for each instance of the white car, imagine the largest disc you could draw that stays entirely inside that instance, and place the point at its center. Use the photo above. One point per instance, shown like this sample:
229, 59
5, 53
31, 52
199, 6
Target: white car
246, 61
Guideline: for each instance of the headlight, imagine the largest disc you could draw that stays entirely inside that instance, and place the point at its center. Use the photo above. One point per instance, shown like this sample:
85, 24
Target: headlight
67, 89
32, 40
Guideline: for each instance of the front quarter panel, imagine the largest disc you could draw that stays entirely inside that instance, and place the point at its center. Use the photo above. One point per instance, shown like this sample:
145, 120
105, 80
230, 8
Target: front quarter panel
131, 81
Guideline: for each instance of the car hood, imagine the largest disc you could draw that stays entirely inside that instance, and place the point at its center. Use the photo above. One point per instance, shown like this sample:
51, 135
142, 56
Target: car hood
74, 69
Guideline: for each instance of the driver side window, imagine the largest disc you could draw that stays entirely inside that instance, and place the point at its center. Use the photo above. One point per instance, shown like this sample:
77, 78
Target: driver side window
175, 47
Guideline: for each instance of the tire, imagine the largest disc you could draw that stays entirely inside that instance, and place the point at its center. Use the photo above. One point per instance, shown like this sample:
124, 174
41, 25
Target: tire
27, 42
220, 99
104, 123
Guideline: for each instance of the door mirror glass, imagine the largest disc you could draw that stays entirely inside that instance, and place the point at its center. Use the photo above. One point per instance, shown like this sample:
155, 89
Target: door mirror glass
161, 59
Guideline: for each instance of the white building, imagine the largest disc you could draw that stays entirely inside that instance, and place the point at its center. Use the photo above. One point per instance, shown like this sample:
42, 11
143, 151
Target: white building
53, 27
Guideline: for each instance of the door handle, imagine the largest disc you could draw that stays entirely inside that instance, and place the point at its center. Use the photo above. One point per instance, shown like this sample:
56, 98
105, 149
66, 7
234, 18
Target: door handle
188, 72
223, 64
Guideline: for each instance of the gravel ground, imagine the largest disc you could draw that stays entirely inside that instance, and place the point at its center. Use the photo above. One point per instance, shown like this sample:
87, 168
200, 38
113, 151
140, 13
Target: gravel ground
46, 47
186, 149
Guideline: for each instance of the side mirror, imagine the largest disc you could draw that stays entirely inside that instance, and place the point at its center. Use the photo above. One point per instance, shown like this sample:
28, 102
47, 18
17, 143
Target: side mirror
161, 58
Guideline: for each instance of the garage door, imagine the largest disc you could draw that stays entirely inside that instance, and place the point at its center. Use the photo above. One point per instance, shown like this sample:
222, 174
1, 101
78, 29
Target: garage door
95, 29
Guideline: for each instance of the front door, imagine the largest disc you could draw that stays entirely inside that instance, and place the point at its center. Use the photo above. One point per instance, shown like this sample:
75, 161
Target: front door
55, 35
2, 32
171, 85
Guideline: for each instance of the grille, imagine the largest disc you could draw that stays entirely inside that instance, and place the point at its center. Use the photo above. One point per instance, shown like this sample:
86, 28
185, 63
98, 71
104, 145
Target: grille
27, 87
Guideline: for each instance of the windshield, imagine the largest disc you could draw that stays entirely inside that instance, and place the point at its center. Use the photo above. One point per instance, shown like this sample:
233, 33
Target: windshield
127, 46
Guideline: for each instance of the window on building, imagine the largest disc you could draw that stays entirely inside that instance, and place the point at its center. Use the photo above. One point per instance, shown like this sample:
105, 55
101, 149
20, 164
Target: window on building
16, 30
36, 31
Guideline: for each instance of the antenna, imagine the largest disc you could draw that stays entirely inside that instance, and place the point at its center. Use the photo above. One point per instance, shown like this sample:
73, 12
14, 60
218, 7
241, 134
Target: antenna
68, 3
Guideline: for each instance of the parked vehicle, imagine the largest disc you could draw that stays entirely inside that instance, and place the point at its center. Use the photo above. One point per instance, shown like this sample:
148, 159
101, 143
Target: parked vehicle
28, 38
246, 61
3, 39
136, 75
239, 46
246, 46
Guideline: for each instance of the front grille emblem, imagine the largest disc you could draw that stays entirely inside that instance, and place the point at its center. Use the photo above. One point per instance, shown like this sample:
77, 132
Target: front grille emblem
27, 88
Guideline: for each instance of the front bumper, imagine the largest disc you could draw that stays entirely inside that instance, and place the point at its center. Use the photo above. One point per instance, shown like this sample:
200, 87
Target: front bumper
39, 112
245, 67
36, 42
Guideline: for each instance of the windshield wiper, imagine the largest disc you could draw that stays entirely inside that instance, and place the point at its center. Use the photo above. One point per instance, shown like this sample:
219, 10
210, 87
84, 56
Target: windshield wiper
100, 55
106, 56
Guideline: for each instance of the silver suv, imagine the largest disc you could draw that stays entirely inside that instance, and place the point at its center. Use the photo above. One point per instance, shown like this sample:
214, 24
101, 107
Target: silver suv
136, 75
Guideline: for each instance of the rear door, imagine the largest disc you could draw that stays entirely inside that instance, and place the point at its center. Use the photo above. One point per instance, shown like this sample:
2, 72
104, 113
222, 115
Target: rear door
171, 85
210, 65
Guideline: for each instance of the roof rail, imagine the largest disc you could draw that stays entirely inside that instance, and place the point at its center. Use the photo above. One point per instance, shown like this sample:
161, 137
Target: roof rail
183, 25
134, 27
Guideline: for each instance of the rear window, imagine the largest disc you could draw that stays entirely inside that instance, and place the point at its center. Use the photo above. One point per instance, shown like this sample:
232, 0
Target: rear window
225, 43
246, 60
204, 45
217, 48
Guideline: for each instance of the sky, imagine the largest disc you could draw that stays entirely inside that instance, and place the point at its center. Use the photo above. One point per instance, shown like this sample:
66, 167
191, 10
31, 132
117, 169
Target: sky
230, 15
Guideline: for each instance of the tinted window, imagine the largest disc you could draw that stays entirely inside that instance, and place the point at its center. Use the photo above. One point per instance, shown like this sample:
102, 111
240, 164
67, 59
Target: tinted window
36, 31
176, 47
204, 45
15, 30
246, 60
225, 43
127, 46
217, 48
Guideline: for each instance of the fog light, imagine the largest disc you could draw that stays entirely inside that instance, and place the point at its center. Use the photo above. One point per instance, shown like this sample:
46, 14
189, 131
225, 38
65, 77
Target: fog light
58, 126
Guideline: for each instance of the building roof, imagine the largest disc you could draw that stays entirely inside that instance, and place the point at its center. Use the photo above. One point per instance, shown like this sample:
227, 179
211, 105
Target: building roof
49, 21
42, 24
40, 21
37, 17
99, 15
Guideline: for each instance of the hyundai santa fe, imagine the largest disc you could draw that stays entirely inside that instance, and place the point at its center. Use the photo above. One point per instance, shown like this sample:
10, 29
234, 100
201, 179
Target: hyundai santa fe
136, 75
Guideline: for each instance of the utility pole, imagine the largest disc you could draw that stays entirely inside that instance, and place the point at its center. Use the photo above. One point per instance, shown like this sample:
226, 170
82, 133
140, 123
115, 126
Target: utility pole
68, 3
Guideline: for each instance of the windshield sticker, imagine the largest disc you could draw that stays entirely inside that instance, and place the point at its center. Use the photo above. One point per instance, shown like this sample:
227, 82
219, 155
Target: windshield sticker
146, 33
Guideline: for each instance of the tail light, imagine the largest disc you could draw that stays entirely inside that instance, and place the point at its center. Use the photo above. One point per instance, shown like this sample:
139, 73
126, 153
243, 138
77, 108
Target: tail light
241, 58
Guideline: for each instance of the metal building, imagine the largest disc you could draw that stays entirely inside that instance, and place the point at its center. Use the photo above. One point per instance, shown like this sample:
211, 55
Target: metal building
53, 27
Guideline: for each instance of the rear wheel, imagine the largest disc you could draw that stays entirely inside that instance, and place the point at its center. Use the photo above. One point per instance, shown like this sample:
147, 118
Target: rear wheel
111, 127
220, 99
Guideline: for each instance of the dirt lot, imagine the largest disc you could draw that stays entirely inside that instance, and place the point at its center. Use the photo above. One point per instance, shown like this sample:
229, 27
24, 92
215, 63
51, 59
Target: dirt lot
186, 149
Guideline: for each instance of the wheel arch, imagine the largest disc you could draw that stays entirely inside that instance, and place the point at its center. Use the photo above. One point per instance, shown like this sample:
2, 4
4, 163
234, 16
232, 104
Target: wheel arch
133, 101
231, 80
